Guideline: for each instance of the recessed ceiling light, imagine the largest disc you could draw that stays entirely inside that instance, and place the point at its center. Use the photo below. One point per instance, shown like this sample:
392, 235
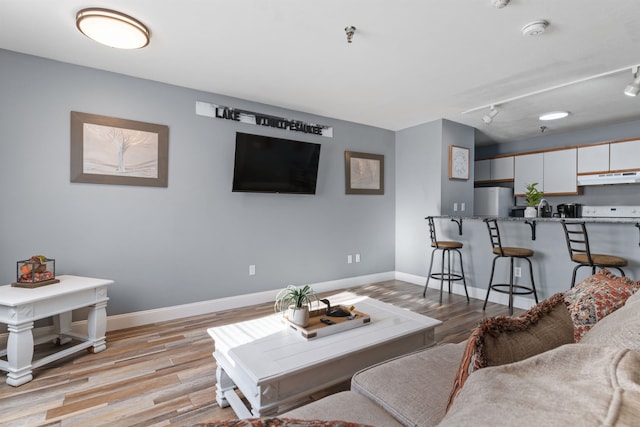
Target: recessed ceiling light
112, 28
535, 28
554, 115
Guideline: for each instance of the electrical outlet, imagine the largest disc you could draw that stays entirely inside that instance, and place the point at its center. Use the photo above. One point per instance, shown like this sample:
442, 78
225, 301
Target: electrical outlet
517, 271
349, 259
462, 206
357, 257
252, 270
455, 207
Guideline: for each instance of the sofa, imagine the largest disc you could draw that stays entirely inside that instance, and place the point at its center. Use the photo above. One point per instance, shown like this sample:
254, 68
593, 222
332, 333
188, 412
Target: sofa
573, 359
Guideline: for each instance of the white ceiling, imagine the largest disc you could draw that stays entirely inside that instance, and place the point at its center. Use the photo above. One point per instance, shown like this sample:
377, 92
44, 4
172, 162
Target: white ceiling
411, 61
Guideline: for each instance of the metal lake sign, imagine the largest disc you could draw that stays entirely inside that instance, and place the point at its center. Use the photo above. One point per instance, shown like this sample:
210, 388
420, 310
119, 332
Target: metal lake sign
220, 112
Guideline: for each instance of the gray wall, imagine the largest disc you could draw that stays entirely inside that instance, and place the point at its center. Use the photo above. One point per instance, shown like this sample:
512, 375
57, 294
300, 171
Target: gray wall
195, 239
424, 187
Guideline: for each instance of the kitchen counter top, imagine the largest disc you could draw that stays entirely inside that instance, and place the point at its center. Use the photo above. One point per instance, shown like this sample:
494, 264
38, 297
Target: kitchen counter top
546, 219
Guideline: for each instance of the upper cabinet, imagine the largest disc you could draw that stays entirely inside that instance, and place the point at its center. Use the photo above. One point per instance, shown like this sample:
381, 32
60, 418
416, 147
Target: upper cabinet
502, 169
560, 172
499, 169
529, 168
482, 170
554, 171
624, 156
593, 158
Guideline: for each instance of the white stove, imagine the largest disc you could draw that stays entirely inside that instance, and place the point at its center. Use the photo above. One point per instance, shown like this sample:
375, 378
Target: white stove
610, 211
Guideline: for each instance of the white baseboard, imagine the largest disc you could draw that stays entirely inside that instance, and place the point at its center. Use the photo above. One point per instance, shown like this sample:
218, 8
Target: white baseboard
128, 320
139, 318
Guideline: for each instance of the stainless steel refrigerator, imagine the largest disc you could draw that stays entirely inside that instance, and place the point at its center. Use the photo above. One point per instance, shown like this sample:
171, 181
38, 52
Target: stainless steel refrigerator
492, 201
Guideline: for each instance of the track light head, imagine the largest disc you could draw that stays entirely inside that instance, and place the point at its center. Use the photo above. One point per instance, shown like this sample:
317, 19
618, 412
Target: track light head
633, 88
488, 118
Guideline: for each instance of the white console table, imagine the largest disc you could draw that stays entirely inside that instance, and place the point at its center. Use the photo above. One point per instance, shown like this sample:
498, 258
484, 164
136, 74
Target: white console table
20, 307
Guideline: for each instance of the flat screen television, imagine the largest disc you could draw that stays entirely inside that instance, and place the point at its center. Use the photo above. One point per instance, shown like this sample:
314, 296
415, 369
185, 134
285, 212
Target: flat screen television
265, 164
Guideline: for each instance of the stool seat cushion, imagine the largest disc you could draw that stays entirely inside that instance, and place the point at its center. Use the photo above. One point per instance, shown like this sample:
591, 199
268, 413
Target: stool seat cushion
446, 245
600, 259
516, 252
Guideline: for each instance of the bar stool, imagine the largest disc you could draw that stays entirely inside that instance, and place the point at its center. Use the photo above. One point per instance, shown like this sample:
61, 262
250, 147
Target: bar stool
446, 247
511, 253
580, 252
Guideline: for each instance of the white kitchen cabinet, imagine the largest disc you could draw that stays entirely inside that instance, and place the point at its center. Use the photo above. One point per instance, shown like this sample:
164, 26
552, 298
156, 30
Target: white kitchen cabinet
560, 175
624, 155
482, 170
593, 158
528, 168
502, 169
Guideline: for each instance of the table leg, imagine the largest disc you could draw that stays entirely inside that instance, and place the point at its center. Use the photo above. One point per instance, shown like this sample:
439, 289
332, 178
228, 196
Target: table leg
223, 384
62, 325
19, 353
97, 326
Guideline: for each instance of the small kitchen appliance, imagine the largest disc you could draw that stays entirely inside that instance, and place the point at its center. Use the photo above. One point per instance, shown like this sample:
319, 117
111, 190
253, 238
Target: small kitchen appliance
569, 210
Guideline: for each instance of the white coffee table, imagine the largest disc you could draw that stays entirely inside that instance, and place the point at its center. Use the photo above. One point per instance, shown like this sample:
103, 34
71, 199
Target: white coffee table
274, 367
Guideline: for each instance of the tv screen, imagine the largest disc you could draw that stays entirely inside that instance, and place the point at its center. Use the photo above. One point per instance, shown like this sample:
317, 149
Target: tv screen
265, 164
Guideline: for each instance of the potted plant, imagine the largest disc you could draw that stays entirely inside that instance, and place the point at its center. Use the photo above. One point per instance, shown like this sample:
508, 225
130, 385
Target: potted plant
295, 301
533, 196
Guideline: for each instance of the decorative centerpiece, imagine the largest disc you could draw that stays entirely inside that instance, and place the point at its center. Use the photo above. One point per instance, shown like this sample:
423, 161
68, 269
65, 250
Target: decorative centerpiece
35, 272
294, 303
533, 196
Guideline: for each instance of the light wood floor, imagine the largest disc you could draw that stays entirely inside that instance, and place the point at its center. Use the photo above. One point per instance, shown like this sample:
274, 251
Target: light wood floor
164, 374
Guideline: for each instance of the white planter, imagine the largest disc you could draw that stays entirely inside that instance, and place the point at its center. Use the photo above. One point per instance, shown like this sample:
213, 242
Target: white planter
299, 316
530, 212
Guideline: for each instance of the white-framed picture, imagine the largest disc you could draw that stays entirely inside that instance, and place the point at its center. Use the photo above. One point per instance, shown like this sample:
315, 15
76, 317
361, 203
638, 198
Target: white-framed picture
458, 162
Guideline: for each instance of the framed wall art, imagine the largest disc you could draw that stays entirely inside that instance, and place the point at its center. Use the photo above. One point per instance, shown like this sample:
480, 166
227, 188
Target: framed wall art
109, 150
364, 173
458, 162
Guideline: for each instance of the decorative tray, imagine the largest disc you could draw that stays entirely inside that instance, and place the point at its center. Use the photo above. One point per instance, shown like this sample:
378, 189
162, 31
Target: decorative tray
317, 329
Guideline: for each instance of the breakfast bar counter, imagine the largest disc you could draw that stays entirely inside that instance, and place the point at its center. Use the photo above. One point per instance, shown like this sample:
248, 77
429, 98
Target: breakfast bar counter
553, 267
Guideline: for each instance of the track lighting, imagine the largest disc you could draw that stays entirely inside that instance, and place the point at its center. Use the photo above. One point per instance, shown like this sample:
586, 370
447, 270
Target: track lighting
488, 118
499, 4
633, 88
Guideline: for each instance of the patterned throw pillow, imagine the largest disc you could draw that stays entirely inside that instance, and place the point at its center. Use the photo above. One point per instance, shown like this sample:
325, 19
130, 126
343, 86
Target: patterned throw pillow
501, 340
595, 297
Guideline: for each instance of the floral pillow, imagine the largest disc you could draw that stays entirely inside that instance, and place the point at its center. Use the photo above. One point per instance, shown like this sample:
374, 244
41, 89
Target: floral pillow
595, 297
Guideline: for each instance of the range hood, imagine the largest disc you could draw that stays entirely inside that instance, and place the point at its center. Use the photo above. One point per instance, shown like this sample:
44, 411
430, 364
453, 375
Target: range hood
609, 178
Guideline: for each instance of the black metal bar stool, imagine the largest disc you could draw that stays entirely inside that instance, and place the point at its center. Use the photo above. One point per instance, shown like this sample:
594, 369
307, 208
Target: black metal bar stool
580, 252
511, 253
446, 247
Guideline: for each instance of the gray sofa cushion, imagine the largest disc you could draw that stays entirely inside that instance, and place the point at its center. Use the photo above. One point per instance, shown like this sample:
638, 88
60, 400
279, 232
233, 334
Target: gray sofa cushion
619, 329
413, 388
345, 406
572, 385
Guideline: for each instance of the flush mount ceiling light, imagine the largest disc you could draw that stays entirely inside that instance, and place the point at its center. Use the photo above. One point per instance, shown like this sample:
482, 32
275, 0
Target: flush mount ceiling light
488, 118
633, 88
535, 28
554, 115
112, 28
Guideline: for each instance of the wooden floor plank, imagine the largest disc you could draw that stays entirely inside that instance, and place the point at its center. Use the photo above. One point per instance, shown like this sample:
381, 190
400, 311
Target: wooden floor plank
164, 375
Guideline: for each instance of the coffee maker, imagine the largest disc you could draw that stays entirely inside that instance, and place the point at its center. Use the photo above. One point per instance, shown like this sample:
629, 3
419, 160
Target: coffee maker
569, 210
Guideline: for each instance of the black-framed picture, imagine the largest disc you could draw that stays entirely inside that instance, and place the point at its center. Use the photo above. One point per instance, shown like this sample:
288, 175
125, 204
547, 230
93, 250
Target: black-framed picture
458, 162
109, 150
364, 173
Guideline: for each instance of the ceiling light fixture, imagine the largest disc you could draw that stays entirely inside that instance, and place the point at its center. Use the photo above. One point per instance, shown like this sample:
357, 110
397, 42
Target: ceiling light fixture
112, 28
554, 115
633, 88
499, 4
350, 30
488, 118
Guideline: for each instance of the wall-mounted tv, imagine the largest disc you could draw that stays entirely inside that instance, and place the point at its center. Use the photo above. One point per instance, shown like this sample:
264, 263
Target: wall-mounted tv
265, 164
